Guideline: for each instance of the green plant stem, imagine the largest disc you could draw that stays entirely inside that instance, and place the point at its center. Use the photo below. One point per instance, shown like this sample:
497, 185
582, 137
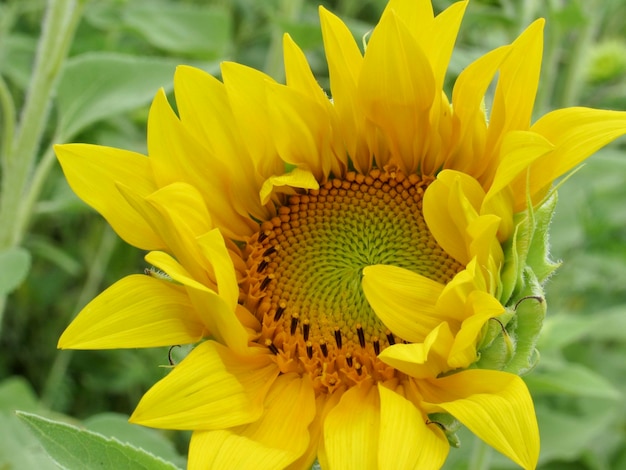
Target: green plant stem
7, 105
95, 275
59, 24
481, 456
33, 191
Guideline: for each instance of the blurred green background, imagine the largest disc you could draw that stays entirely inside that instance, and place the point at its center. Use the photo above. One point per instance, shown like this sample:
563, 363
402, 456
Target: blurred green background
56, 254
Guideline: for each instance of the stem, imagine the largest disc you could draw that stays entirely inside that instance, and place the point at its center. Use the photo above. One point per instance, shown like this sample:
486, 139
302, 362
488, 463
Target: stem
8, 123
32, 192
59, 25
481, 456
57, 32
95, 274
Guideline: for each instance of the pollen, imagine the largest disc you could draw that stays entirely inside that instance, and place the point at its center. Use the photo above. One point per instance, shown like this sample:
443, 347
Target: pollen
305, 266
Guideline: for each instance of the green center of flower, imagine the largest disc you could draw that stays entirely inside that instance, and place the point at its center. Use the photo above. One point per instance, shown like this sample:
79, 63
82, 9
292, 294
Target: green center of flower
306, 264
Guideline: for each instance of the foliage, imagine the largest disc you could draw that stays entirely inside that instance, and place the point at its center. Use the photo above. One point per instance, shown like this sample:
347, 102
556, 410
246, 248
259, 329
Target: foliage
56, 254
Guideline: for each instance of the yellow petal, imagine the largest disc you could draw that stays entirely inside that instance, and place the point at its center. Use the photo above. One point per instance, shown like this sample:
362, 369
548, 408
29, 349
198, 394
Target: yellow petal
517, 86
519, 150
397, 90
296, 178
220, 320
178, 214
177, 156
213, 246
93, 172
173, 269
435, 35
450, 205
494, 405
246, 89
439, 41
136, 312
406, 441
404, 301
298, 72
485, 245
469, 120
421, 360
301, 130
225, 450
453, 299
204, 109
480, 307
323, 404
351, 430
301, 79
576, 133
344, 66
278, 438
416, 14
510, 191
212, 388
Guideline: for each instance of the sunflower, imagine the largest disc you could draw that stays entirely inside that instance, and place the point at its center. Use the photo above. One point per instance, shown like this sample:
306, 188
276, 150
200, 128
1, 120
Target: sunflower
357, 274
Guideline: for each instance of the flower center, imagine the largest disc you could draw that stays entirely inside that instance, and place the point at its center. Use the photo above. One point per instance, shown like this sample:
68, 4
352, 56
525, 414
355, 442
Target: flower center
306, 264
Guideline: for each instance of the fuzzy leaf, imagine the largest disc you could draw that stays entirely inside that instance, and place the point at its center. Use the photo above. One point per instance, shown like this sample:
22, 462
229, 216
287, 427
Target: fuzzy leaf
74, 448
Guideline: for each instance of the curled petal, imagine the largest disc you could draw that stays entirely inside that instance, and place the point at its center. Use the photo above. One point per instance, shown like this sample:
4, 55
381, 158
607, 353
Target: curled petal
421, 360
451, 203
404, 301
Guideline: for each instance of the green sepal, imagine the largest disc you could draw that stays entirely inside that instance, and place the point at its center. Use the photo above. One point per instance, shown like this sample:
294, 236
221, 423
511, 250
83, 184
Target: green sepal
538, 258
496, 354
530, 312
449, 425
528, 247
513, 347
493, 329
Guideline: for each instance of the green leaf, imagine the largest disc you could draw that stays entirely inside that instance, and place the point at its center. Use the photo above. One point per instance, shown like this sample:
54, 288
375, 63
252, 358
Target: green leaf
152, 440
75, 448
19, 449
197, 30
565, 378
99, 85
14, 267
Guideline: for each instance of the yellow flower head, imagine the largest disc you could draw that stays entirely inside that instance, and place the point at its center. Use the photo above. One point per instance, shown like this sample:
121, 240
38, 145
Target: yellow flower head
354, 271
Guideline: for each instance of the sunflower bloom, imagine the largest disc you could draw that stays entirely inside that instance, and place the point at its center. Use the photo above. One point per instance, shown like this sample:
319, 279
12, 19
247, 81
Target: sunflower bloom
356, 274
